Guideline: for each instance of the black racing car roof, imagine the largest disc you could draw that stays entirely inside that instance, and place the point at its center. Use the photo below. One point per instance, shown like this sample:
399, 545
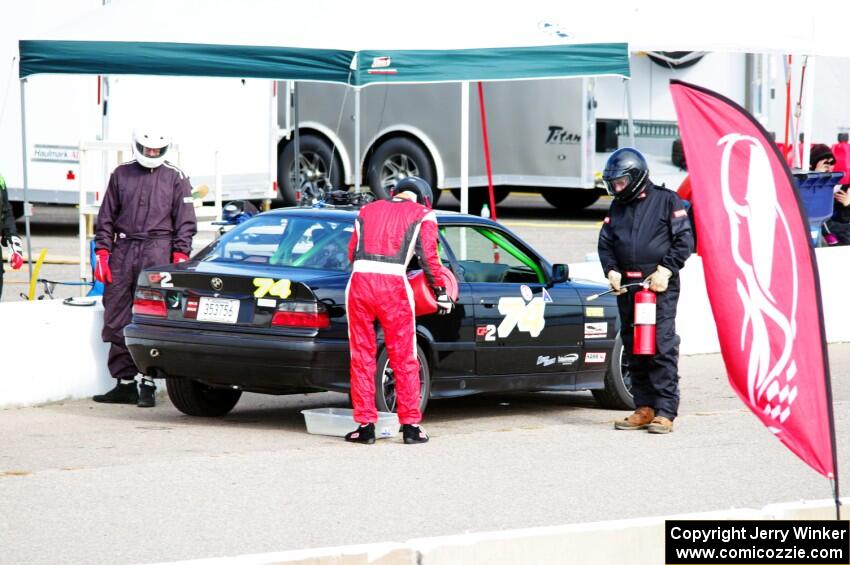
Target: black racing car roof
350, 212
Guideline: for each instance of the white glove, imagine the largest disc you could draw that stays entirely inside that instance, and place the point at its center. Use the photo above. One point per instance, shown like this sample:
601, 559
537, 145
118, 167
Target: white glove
614, 279
444, 302
16, 259
660, 279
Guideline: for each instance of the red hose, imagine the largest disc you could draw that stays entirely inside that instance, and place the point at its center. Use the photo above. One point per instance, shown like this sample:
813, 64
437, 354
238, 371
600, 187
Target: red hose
486, 150
787, 106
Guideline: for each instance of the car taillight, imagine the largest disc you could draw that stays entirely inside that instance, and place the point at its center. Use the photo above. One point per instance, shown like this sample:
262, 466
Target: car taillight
149, 303
301, 315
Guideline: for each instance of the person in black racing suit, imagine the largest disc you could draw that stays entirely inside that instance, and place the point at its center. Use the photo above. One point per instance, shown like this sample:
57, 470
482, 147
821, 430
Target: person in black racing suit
646, 234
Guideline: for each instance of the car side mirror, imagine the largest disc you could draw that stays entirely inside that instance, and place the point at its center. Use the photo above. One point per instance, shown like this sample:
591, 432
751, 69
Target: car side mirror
560, 273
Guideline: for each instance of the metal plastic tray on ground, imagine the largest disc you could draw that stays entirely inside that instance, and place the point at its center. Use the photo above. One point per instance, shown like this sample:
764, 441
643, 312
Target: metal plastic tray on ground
339, 421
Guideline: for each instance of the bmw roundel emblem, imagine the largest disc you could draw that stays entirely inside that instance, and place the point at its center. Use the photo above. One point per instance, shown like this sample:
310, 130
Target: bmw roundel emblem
216, 283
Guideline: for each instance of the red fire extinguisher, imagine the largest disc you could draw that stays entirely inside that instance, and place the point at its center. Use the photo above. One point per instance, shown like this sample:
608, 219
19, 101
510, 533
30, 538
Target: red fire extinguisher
644, 334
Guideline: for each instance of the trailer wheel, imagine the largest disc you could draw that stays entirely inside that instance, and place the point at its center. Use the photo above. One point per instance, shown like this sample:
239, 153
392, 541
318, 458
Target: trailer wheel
321, 167
571, 199
478, 196
398, 158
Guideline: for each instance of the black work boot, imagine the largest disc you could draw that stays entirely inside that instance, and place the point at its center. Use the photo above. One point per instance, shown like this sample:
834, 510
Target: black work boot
123, 393
147, 394
365, 433
412, 433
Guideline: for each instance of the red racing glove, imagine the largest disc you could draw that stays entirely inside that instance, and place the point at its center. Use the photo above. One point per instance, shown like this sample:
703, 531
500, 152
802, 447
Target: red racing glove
177, 257
16, 259
102, 273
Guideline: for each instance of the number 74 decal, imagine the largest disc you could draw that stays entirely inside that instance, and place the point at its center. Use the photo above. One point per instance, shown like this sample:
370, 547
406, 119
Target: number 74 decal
265, 287
526, 316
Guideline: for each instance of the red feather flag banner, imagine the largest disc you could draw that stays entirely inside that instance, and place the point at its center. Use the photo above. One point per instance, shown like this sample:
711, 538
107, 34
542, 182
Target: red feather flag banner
760, 272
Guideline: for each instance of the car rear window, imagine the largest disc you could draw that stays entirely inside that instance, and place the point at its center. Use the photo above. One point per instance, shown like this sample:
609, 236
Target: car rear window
287, 241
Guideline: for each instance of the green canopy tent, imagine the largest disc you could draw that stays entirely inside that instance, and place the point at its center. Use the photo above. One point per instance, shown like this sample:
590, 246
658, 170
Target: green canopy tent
334, 41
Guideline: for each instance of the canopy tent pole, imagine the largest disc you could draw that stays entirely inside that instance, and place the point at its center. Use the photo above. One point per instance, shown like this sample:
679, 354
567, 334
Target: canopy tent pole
464, 147
296, 153
356, 160
26, 177
796, 141
629, 112
808, 110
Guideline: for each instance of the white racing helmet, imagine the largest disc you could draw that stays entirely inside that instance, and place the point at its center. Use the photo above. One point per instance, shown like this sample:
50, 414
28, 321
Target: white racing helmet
150, 147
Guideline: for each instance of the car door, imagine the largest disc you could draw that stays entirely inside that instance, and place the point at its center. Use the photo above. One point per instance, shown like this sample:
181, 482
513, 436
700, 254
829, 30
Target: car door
522, 325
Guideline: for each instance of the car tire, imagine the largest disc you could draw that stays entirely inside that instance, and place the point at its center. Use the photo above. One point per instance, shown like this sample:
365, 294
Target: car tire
478, 197
197, 399
321, 167
395, 159
617, 392
385, 388
571, 199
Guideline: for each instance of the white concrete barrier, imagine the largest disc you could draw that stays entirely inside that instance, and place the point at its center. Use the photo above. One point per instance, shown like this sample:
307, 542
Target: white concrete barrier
366, 554
51, 352
695, 322
637, 540
805, 510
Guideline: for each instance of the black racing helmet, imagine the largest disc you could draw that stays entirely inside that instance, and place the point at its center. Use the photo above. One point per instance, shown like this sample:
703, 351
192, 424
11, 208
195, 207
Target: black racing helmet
629, 163
418, 186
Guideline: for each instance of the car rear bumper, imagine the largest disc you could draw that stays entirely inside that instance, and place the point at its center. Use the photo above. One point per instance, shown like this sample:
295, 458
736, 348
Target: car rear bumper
263, 363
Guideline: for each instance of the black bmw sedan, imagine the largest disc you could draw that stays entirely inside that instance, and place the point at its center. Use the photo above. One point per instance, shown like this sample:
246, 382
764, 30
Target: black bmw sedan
262, 309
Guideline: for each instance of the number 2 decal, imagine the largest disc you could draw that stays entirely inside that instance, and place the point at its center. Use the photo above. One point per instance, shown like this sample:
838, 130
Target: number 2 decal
165, 281
485, 333
265, 287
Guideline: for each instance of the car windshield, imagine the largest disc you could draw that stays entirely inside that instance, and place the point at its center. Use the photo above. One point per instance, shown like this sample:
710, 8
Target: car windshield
287, 241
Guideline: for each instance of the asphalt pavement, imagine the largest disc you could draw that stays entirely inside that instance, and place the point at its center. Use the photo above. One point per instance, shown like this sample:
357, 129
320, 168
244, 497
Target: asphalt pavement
88, 483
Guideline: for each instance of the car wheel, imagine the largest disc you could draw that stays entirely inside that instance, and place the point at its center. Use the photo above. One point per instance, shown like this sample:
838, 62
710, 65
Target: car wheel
385, 396
571, 199
617, 393
197, 399
478, 197
396, 159
321, 168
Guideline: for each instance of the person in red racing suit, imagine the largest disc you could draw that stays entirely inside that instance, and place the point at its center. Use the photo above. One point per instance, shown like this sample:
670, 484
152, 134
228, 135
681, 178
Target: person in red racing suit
147, 218
387, 234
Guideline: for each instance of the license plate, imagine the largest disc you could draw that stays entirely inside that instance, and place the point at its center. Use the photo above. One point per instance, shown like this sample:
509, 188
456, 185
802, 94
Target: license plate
220, 310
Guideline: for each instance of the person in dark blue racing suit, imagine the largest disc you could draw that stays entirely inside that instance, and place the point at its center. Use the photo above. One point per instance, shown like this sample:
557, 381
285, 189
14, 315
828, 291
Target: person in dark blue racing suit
646, 234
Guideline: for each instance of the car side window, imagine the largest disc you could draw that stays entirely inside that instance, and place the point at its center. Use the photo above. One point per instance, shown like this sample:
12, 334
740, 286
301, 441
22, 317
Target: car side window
306, 242
486, 255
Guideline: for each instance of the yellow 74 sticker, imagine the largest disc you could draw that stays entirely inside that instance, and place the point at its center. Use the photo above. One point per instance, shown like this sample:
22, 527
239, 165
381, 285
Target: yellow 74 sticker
266, 287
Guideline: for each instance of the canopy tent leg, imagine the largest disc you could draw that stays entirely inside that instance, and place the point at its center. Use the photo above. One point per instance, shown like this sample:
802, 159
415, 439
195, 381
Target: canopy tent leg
26, 177
464, 147
356, 159
808, 111
296, 141
629, 111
